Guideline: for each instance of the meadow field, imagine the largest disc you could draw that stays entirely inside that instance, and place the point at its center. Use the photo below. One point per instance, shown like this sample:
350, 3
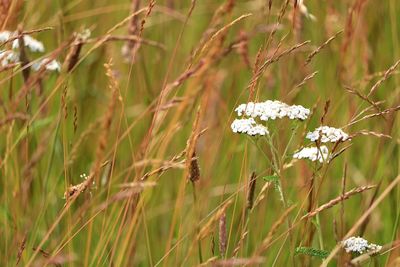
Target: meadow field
199, 133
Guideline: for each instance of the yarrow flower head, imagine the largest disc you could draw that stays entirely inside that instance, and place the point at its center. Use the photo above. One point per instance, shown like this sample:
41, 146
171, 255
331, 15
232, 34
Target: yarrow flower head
50, 65
30, 42
313, 153
33, 44
271, 110
7, 57
359, 245
327, 134
248, 126
5, 36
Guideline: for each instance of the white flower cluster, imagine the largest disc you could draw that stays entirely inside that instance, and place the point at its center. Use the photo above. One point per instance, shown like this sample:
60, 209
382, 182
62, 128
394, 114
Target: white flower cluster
248, 126
33, 44
359, 245
313, 153
51, 65
10, 56
304, 10
327, 134
272, 109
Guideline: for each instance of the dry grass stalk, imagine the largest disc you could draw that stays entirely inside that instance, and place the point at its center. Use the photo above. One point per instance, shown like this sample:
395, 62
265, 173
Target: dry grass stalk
132, 47
21, 250
33, 80
364, 225
208, 262
133, 29
14, 116
22, 33
361, 220
194, 169
78, 143
267, 240
9, 10
386, 111
185, 75
252, 188
163, 168
262, 193
337, 200
273, 59
135, 38
175, 101
358, 261
221, 31
205, 230
254, 261
74, 191
306, 79
370, 77
215, 23
326, 109
192, 166
363, 97
222, 235
107, 120
23, 56
73, 54
384, 78
316, 51
369, 133
242, 48
130, 190
138, 185
239, 244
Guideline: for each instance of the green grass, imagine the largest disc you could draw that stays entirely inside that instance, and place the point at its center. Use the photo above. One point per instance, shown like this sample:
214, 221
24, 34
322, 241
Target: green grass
159, 224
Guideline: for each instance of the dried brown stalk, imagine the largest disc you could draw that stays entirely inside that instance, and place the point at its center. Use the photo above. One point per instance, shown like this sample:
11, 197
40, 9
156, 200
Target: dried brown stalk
21, 249
368, 133
14, 116
128, 50
337, 200
306, 79
239, 243
384, 78
9, 10
218, 214
222, 235
386, 111
316, 51
192, 166
273, 59
363, 97
254, 261
252, 188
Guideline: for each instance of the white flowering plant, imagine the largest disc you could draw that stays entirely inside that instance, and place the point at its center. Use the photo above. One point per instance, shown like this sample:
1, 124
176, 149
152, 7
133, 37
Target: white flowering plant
358, 245
257, 121
11, 56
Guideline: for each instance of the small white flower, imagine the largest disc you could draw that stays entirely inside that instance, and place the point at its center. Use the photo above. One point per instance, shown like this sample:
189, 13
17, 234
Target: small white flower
359, 245
33, 44
304, 10
313, 153
271, 110
50, 65
8, 57
327, 134
248, 126
84, 34
5, 36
